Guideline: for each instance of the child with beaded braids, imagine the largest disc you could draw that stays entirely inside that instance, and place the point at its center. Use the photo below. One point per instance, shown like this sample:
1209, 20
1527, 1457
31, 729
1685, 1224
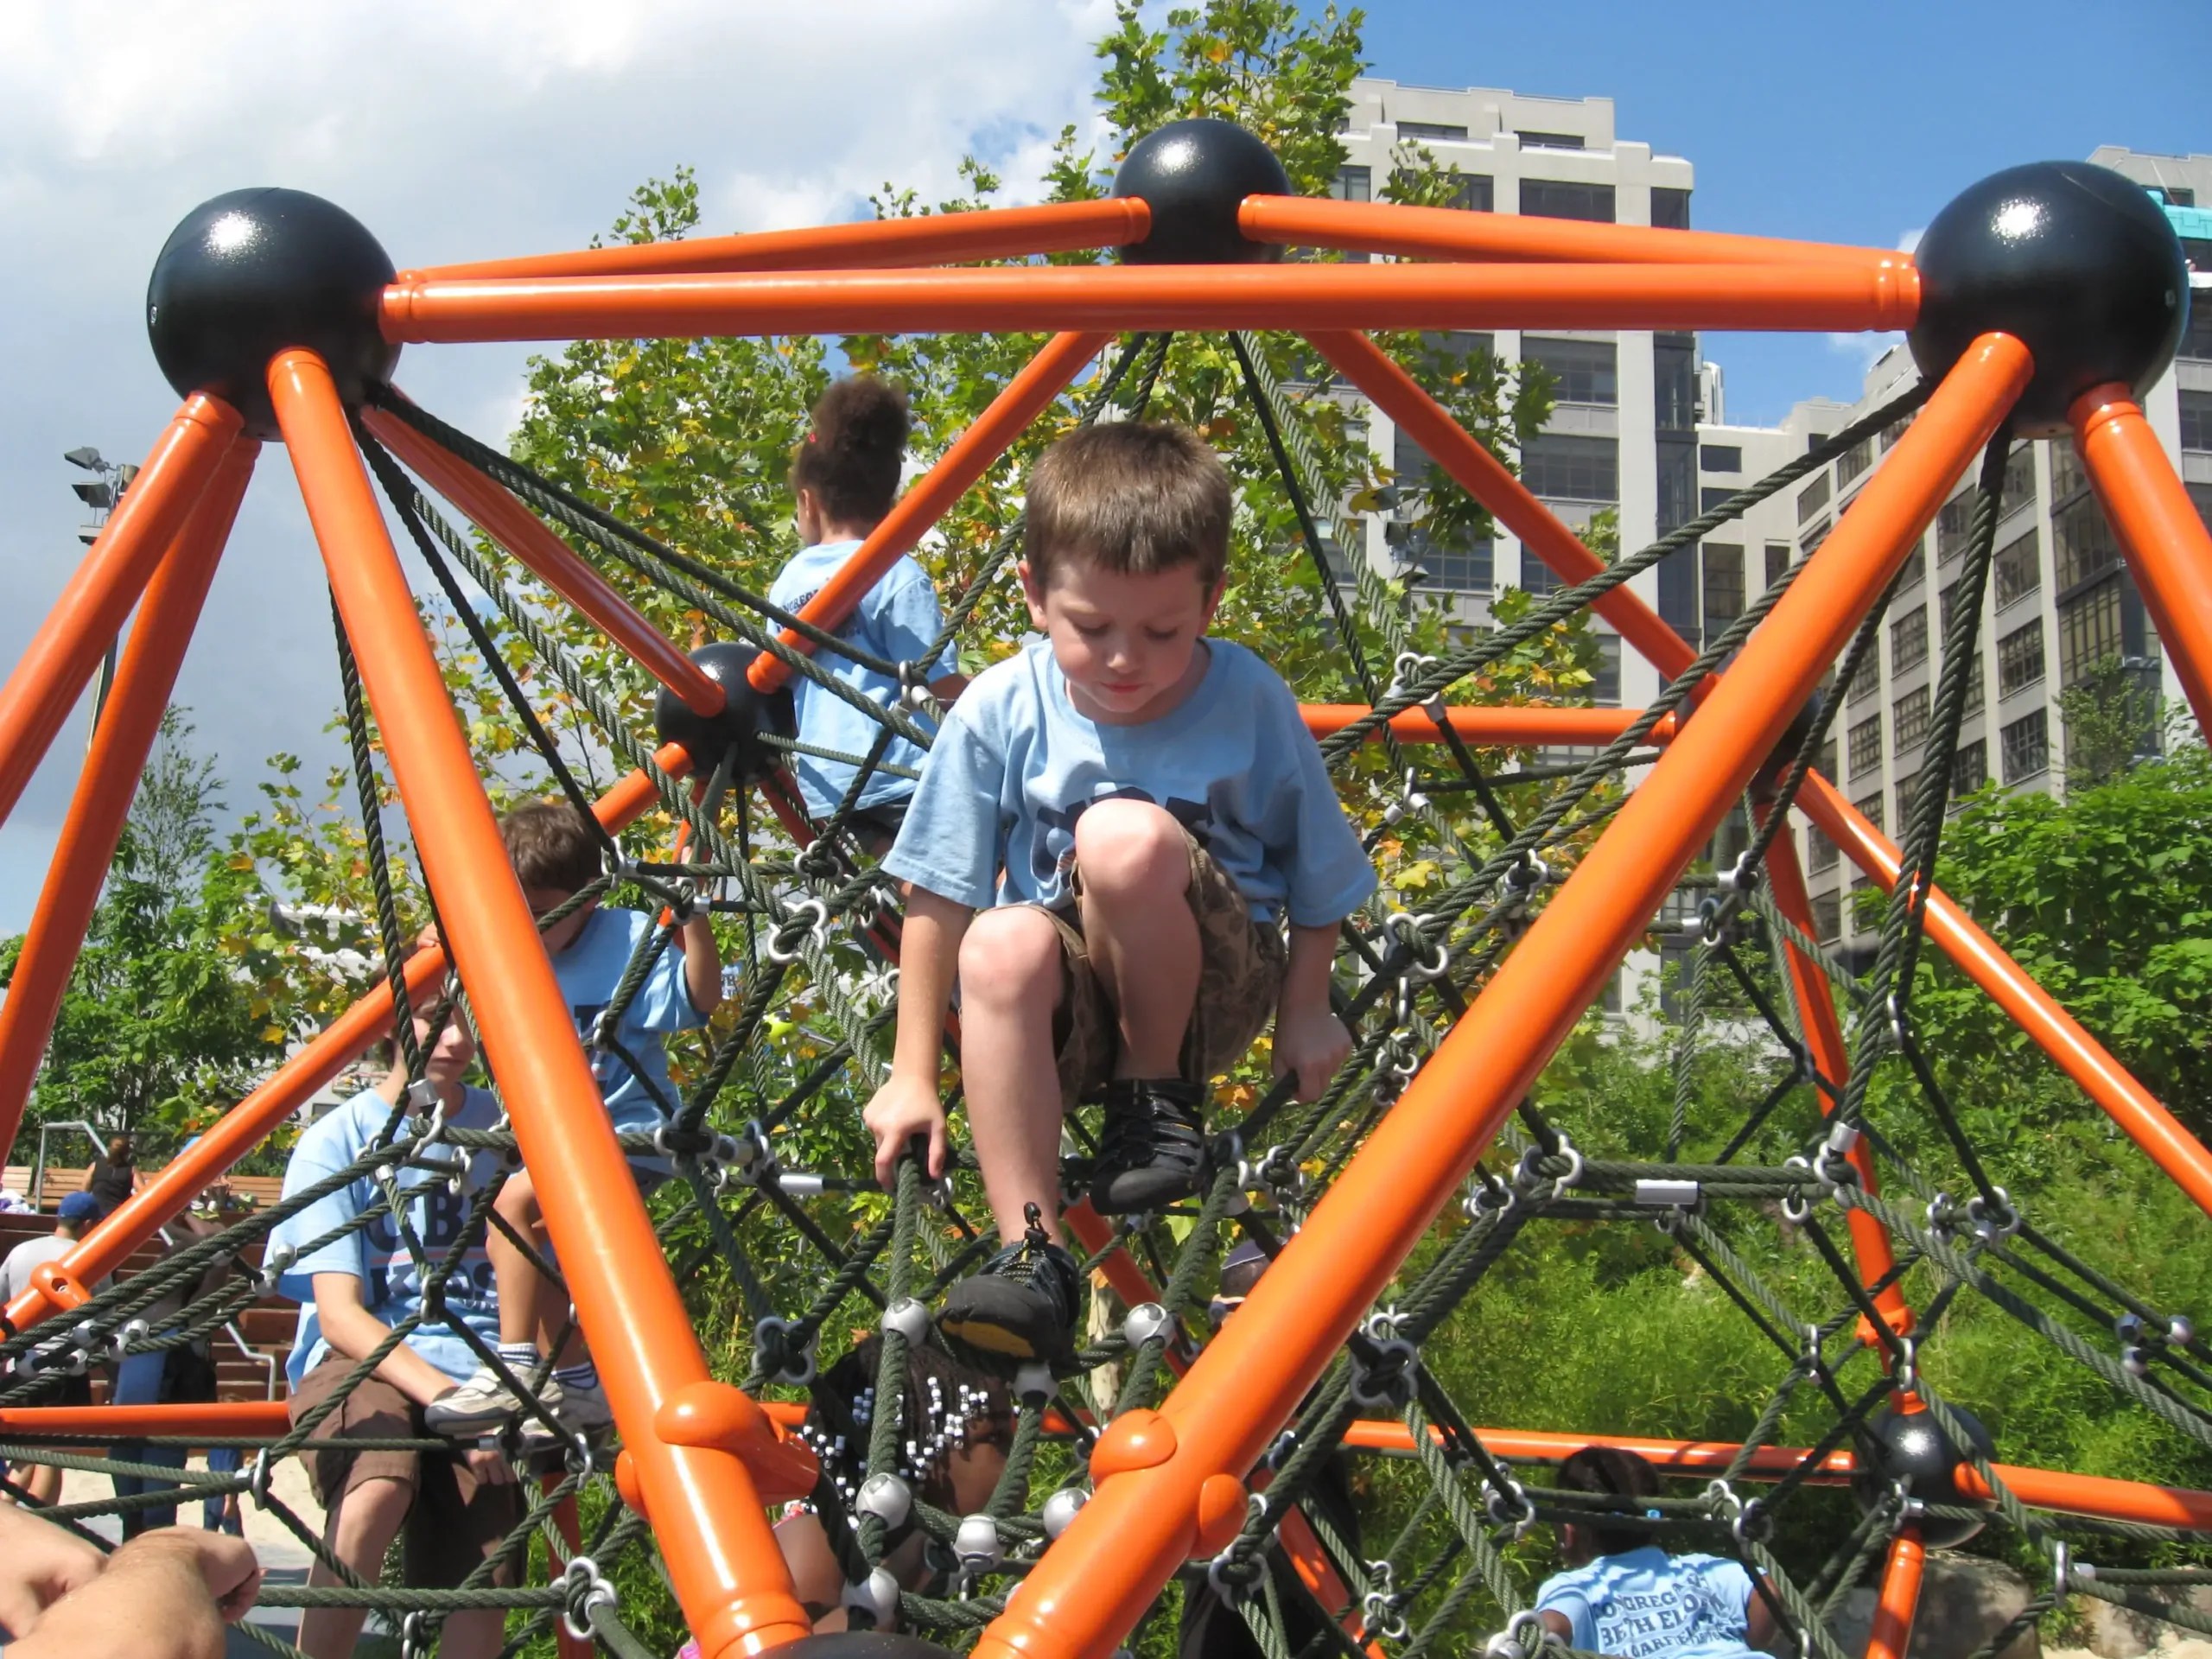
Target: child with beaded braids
845, 476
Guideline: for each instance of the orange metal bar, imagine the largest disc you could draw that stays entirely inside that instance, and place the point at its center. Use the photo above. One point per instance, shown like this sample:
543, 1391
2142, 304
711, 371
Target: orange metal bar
1900, 1599
134, 1221
1453, 234
120, 742
2103, 1079
2168, 551
728, 1572
936, 238
1809, 986
495, 511
241, 1418
1043, 378
1095, 1582
1479, 473
1115, 298
44, 683
1501, 725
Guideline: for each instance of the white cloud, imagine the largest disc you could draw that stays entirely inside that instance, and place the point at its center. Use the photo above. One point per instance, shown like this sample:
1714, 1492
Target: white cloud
454, 132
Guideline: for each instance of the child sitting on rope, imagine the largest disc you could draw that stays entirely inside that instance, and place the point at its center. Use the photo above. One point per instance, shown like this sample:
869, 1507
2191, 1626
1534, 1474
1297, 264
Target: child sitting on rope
358, 1271
1113, 830
845, 474
1623, 1593
556, 854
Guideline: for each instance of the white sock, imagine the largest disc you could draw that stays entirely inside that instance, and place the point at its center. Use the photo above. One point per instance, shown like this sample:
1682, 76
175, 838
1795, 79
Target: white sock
520, 1357
582, 1375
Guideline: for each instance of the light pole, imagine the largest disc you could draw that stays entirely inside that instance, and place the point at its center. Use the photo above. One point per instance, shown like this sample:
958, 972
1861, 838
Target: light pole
100, 493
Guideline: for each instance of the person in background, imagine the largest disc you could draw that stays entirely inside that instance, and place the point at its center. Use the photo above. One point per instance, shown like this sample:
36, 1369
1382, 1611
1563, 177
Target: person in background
78, 1211
845, 475
1623, 1593
114, 1175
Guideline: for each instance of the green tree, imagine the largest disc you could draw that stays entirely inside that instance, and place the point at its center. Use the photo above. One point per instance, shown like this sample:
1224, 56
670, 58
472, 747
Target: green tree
170, 1014
2113, 717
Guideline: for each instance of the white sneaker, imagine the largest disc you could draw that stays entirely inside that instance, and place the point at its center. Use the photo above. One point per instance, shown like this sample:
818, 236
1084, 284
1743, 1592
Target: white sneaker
483, 1402
582, 1412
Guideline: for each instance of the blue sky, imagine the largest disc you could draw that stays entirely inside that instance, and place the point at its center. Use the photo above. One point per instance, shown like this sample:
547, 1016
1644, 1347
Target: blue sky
1849, 123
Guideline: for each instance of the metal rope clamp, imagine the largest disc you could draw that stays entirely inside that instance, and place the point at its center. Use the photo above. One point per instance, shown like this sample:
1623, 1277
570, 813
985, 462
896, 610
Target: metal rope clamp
1796, 1208
1431, 961
1524, 1636
1986, 1219
1832, 1163
1508, 1505
1528, 1174
1229, 1577
119, 1343
1381, 1607
1906, 1372
1404, 672
914, 687
1386, 1380
773, 1354
416, 1638
1410, 800
587, 1588
782, 953
1488, 1196
1748, 1521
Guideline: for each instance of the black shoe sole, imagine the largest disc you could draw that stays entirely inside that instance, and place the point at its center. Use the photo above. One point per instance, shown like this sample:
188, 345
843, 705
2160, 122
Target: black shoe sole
1126, 1192
1000, 1321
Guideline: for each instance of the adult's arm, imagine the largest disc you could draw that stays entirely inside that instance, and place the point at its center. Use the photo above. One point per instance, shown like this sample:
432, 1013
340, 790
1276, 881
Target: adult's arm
44, 1564
164, 1595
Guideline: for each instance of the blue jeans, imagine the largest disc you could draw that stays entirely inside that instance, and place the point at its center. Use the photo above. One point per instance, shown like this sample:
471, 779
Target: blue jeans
138, 1382
216, 1514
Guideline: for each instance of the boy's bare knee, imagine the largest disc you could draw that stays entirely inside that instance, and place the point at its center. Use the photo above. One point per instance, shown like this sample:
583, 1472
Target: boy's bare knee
1010, 956
1131, 848
518, 1198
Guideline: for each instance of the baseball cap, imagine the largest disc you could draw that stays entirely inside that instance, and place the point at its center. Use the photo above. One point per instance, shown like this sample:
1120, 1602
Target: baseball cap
79, 1206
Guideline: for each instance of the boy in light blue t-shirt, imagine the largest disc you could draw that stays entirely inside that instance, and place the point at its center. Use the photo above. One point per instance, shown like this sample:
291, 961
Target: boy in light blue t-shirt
1115, 831
354, 1290
1623, 1594
845, 477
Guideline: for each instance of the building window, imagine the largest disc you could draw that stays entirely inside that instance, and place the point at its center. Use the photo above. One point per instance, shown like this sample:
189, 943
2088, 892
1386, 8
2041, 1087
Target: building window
1812, 497
1953, 523
1673, 378
1905, 785
1670, 209
2085, 546
2019, 568
1353, 184
1894, 431
1582, 370
1908, 640
1777, 562
1854, 460
1913, 571
1945, 603
1824, 760
2020, 485
1828, 917
2090, 631
1557, 199
1819, 852
2019, 658
1973, 684
1713, 497
1455, 349
1476, 193
1441, 131
1816, 536
1541, 139
1720, 457
1969, 768
1910, 714
2024, 745
2196, 420
1723, 586
1455, 570
1567, 466
1605, 687
2066, 473
1866, 746
2178, 195
1677, 470
2197, 341
1867, 680
1869, 807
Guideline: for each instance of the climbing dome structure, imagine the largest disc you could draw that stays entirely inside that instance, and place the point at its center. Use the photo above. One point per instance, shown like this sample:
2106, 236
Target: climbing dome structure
2044, 300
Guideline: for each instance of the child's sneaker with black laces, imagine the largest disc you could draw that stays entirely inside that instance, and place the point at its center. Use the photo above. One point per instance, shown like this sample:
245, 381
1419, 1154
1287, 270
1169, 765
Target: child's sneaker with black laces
1152, 1146
1021, 1306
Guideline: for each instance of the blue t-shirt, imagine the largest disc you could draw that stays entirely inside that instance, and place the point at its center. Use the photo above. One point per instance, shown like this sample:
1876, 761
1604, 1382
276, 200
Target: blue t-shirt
376, 1254
1017, 764
1645, 1604
897, 620
590, 971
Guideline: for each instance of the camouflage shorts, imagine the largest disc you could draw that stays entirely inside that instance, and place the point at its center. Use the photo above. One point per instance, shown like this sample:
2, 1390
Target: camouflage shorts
1240, 979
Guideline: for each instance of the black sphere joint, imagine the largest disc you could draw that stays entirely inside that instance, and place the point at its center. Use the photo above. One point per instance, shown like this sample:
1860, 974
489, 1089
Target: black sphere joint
1910, 1449
255, 272
737, 729
2076, 262
1193, 175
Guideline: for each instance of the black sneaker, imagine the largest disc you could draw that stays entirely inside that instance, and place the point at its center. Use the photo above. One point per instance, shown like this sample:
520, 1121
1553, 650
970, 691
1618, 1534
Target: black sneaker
1020, 1305
1152, 1149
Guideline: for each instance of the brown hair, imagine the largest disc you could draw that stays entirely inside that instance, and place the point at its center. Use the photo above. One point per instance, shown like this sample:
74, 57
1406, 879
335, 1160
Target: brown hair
1132, 496
550, 846
854, 448
1611, 1472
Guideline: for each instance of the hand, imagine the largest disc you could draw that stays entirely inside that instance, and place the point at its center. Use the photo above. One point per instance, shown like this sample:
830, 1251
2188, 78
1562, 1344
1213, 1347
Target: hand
44, 1564
227, 1566
902, 1109
1311, 1043
489, 1464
